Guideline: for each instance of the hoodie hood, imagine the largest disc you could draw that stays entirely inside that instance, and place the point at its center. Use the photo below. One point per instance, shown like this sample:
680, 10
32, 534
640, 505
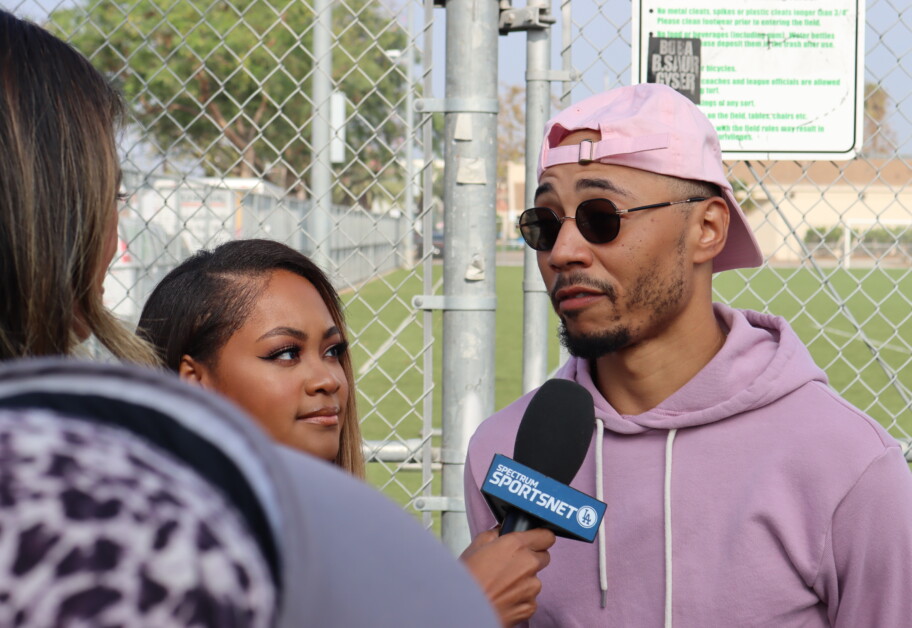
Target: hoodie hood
761, 361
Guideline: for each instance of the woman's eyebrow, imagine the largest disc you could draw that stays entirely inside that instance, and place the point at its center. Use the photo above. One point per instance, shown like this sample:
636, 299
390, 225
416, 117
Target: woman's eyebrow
297, 333
285, 331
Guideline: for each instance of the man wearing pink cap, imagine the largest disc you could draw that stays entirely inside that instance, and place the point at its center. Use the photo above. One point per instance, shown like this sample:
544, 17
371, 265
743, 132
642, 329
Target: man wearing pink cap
741, 489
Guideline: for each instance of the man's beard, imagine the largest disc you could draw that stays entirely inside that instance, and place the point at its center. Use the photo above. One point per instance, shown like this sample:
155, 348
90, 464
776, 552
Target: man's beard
661, 299
592, 346
589, 346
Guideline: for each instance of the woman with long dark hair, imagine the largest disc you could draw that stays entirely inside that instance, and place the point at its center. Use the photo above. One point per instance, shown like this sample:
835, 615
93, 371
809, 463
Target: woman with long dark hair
59, 185
99, 525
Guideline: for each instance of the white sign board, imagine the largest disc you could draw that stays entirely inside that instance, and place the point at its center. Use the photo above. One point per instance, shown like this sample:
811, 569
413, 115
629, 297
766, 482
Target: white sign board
779, 80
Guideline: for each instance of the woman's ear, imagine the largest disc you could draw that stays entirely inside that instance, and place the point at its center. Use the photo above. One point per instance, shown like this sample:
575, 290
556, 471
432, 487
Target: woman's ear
713, 223
194, 372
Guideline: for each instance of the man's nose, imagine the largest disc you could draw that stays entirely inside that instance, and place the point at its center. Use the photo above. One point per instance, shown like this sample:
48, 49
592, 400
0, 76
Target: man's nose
570, 248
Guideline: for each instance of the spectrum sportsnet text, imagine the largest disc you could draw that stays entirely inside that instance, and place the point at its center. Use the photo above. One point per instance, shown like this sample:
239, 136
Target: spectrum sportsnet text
526, 487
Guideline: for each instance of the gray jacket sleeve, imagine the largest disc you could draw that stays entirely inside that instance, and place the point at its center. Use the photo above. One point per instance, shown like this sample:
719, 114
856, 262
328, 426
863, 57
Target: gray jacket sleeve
362, 561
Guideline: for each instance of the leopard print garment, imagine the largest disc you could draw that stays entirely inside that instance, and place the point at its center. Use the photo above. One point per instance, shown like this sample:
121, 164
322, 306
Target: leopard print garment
99, 529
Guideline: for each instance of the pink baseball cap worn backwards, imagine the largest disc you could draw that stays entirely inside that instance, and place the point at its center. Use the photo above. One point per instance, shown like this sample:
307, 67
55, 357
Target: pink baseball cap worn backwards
653, 128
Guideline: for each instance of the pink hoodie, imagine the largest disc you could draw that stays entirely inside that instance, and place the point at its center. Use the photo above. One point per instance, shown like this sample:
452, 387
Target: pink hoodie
753, 496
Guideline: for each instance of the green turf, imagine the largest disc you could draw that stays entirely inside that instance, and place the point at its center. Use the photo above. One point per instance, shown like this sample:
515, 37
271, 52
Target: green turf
390, 392
394, 382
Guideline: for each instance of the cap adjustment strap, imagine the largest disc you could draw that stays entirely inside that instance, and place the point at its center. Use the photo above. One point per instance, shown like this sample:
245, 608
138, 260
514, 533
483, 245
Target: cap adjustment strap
588, 151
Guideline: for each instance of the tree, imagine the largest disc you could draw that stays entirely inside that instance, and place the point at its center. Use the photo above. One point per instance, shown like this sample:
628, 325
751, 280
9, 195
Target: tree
878, 137
511, 127
228, 83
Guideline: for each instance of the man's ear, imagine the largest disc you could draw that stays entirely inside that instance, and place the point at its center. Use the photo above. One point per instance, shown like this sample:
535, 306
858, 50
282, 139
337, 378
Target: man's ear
194, 372
712, 218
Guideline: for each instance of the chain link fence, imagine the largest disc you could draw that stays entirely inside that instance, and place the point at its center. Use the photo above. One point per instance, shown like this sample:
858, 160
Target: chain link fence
297, 121
293, 121
835, 233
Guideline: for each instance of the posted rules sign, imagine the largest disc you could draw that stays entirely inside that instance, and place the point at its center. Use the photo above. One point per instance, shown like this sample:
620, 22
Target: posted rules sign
779, 80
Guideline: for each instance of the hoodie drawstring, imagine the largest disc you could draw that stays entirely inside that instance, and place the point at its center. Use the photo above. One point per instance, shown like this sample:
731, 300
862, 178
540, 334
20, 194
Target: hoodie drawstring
600, 495
668, 457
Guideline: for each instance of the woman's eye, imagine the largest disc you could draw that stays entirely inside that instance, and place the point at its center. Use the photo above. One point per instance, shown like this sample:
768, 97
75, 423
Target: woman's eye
337, 350
284, 354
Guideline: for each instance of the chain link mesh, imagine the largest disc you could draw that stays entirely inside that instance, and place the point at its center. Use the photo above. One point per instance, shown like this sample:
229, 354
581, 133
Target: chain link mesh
222, 94
837, 235
223, 100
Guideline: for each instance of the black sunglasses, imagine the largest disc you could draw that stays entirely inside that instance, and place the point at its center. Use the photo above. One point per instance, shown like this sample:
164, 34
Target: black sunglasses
598, 220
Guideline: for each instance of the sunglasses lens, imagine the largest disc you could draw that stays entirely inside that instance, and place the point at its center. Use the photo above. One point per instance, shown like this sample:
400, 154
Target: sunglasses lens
539, 227
598, 221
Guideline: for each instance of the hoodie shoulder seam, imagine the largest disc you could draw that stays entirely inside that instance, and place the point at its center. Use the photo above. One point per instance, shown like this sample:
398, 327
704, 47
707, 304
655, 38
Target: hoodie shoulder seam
873, 425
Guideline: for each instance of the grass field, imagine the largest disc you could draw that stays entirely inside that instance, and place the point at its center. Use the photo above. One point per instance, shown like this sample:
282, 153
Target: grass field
391, 379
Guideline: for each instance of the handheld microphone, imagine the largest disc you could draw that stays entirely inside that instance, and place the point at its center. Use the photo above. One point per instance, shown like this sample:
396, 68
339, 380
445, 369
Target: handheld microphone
531, 490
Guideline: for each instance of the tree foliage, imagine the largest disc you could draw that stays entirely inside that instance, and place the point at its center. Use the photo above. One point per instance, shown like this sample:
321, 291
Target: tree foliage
228, 83
511, 127
878, 137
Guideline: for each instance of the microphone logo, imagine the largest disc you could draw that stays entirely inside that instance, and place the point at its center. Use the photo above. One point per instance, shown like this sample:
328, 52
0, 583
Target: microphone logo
562, 508
587, 517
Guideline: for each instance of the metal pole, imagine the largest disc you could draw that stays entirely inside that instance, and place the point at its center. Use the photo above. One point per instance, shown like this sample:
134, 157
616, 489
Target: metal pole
535, 298
320, 221
566, 48
469, 235
427, 271
410, 141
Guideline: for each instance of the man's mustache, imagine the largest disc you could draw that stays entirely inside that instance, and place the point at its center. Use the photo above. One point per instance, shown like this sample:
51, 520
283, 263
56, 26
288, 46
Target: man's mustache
580, 280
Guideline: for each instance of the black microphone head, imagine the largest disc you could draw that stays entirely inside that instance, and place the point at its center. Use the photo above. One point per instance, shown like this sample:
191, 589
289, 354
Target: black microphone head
556, 429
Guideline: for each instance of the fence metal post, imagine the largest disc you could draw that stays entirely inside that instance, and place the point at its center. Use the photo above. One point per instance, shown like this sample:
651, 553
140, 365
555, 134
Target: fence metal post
410, 141
319, 224
427, 280
567, 37
535, 298
469, 238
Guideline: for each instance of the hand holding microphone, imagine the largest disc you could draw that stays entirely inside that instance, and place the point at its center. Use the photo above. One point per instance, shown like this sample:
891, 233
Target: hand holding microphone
507, 567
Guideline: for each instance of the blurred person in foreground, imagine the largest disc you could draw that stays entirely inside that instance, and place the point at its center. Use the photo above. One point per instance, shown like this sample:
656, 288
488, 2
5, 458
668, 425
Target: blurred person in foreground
96, 526
160, 506
132, 499
261, 324
102, 528
59, 190
741, 489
